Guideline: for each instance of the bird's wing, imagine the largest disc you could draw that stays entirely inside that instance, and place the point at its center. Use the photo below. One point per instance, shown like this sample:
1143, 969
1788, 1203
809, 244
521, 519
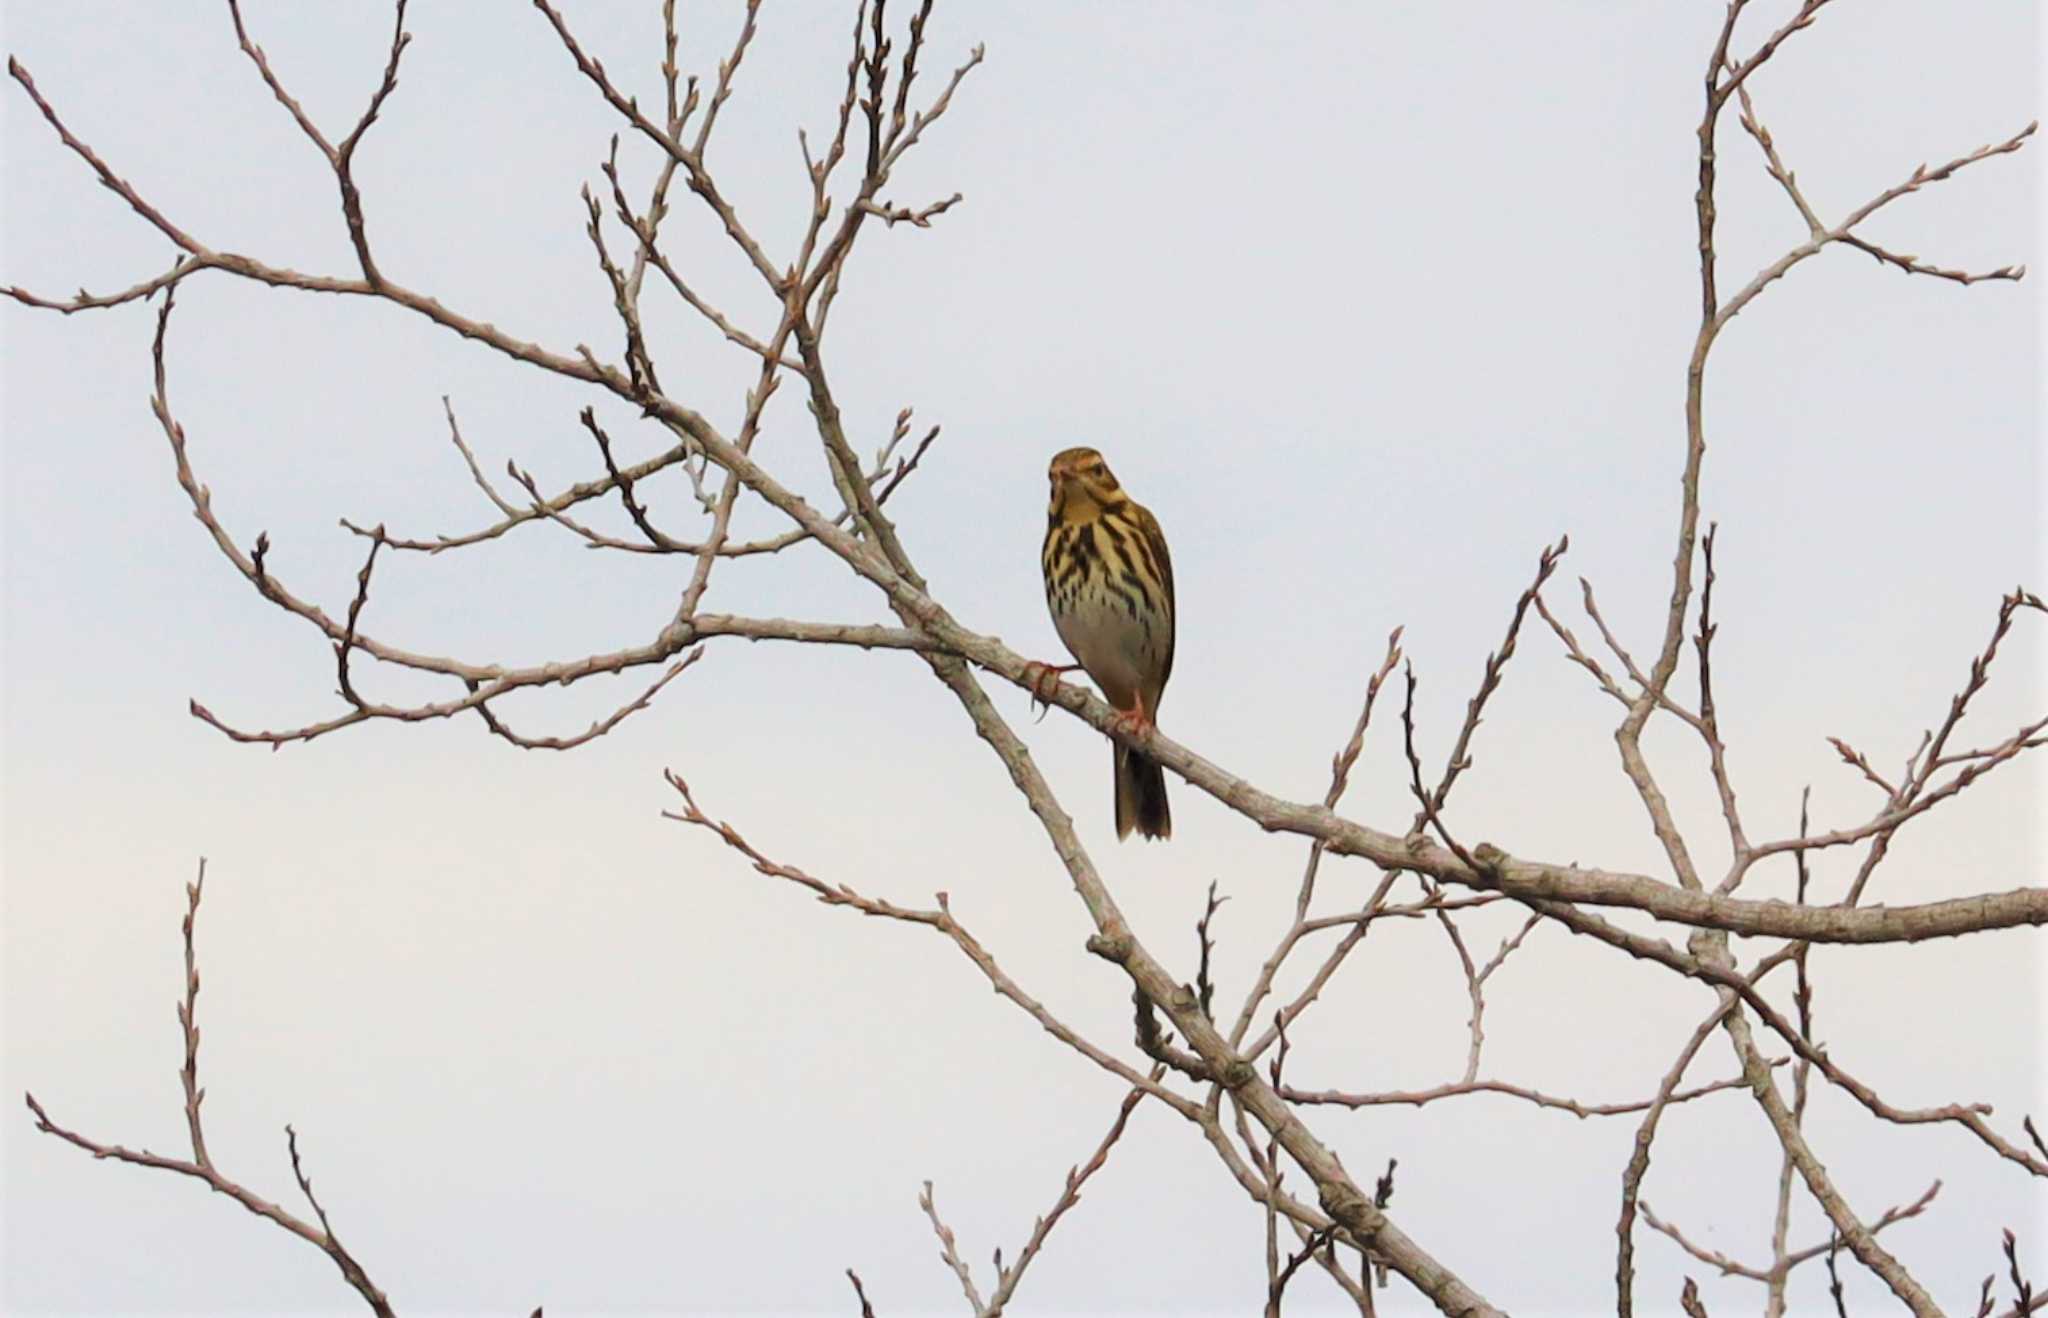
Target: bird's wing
1155, 539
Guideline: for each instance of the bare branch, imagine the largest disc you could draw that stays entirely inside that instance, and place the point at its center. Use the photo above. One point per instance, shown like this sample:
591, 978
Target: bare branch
1729, 1267
1317, 1242
1639, 1158
920, 217
866, 1310
85, 301
1460, 758
624, 483
1070, 1194
1969, 1116
2022, 1289
341, 158
188, 1022
639, 364
1843, 231
108, 178
948, 1253
723, 90
1738, 74
1114, 941
1460, 1088
1709, 721
1340, 779
599, 727
201, 1166
689, 159
941, 920
1205, 989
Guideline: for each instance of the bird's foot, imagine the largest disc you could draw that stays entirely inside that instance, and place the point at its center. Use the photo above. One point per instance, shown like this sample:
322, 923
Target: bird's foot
1134, 723
1043, 680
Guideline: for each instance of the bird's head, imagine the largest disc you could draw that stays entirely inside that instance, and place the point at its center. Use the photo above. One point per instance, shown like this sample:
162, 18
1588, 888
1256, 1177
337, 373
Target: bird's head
1082, 483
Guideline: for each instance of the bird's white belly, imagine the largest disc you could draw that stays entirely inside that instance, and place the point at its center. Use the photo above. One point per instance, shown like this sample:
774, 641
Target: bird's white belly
1116, 644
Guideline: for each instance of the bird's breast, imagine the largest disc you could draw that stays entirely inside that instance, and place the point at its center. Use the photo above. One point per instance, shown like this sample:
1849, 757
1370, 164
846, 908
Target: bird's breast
1116, 623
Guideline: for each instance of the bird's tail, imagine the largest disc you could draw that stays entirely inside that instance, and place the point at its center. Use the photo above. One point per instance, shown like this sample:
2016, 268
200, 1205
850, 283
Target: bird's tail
1140, 795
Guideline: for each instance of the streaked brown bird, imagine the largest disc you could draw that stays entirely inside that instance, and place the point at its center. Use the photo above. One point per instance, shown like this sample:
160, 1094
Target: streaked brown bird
1109, 584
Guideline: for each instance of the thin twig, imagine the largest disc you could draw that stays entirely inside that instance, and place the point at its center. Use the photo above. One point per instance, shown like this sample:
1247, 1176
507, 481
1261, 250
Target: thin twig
200, 1166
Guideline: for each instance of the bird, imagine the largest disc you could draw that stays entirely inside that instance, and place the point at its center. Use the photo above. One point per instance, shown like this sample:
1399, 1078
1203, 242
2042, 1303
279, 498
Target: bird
1109, 585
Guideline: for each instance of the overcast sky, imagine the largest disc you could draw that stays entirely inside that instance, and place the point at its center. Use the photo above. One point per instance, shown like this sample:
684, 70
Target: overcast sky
1367, 303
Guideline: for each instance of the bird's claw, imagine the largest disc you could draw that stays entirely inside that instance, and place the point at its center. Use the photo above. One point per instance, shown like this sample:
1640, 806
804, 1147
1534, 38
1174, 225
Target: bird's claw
1043, 680
1132, 723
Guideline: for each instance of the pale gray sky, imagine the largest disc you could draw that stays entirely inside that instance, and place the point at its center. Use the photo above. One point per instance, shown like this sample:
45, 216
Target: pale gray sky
1367, 303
